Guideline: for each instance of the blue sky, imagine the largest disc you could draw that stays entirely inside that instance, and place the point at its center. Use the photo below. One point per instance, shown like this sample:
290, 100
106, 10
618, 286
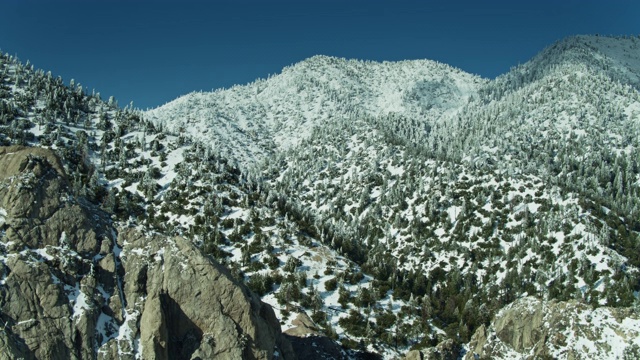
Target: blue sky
151, 52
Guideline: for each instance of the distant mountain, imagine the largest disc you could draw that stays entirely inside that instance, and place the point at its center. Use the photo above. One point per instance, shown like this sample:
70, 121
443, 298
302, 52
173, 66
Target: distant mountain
247, 123
617, 58
385, 207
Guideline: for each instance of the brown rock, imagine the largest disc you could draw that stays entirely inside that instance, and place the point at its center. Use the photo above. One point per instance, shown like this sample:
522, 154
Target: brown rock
303, 326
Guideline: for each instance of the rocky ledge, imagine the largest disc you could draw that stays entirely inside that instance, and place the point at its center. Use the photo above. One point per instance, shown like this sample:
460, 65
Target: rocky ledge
72, 286
533, 329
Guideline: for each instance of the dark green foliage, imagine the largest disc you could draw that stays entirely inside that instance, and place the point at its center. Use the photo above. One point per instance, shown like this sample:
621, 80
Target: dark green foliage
260, 284
331, 284
355, 324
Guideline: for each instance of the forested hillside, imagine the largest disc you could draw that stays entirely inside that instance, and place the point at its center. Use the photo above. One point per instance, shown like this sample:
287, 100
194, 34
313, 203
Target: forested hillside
400, 205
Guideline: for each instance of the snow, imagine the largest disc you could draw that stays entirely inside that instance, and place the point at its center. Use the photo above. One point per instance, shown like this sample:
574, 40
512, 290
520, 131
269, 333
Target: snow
127, 334
245, 123
105, 328
285, 324
79, 301
395, 171
453, 212
117, 250
37, 130
63, 240
159, 256
139, 252
612, 335
103, 292
43, 253
238, 213
173, 158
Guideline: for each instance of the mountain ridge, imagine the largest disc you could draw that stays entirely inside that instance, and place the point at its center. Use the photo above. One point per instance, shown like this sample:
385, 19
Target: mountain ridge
407, 222
611, 55
310, 93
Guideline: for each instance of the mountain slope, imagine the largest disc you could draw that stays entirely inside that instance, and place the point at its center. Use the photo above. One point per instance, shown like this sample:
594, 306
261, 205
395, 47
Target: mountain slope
247, 123
395, 205
73, 289
162, 184
523, 185
616, 58
531, 329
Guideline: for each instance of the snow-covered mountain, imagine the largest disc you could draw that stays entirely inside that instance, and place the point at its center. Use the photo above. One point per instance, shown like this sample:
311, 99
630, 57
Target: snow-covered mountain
535, 172
389, 206
247, 123
616, 58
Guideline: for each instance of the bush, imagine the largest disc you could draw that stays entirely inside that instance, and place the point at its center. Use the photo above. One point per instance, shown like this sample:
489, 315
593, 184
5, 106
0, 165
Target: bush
256, 266
354, 324
260, 284
272, 261
331, 284
631, 352
319, 317
344, 297
292, 264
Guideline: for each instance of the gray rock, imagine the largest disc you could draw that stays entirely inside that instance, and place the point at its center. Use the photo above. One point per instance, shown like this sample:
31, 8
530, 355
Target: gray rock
446, 350
532, 328
107, 271
153, 330
66, 294
308, 341
180, 283
414, 355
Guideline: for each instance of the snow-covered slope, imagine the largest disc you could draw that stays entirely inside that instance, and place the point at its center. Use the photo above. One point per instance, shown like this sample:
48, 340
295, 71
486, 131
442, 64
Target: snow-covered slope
455, 192
245, 123
532, 329
400, 205
618, 58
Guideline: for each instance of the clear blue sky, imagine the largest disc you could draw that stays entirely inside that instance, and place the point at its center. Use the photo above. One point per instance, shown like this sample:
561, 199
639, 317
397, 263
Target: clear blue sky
151, 52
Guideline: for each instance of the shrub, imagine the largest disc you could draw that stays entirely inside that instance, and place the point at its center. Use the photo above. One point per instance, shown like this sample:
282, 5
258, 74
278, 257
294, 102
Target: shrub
331, 284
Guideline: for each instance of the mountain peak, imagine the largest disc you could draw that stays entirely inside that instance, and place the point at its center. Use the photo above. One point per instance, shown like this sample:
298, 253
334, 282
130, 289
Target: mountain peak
618, 57
281, 111
423, 197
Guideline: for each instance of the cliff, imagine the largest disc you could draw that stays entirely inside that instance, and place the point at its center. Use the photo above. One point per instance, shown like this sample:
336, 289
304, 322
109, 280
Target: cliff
73, 286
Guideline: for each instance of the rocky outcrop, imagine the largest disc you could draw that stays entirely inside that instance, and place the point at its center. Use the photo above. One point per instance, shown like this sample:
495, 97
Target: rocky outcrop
446, 350
414, 355
48, 243
309, 342
192, 305
74, 287
530, 328
39, 210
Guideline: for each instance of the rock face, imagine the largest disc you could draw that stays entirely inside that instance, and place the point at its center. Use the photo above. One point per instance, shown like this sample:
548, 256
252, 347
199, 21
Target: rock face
73, 287
309, 343
192, 306
48, 240
530, 329
446, 350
